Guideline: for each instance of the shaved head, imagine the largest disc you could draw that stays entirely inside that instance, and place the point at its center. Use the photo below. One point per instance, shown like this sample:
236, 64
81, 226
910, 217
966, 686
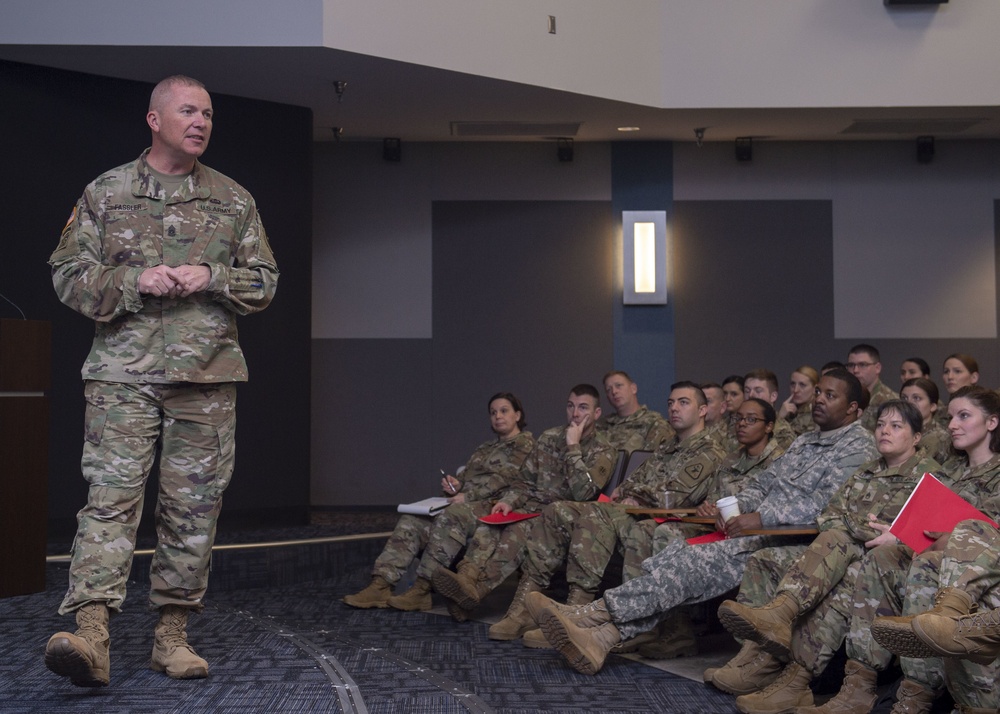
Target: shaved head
162, 90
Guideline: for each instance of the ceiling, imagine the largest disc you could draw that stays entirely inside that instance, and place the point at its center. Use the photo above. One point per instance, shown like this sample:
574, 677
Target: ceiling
387, 98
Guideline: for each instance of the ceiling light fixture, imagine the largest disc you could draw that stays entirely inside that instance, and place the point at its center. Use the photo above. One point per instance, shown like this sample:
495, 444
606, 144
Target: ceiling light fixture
628, 128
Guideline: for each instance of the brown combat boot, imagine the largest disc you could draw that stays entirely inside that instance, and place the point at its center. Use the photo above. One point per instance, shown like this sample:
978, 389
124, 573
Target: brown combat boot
769, 625
518, 620
857, 694
535, 638
84, 657
975, 637
751, 670
375, 595
897, 635
782, 696
418, 597
171, 652
583, 638
462, 587
590, 615
913, 698
675, 638
458, 613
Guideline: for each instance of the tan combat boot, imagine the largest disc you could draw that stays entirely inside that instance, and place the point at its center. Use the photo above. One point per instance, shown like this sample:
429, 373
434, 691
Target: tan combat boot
458, 613
789, 691
675, 638
913, 698
897, 635
375, 595
751, 670
518, 620
857, 694
975, 637
462, 587
584, 637
535, 638
769, 625
171, 652
83, 657
418, 597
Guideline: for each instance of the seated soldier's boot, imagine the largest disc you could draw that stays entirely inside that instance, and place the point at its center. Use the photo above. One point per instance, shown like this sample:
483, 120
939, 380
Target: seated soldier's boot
457, 612
535, 638
914, 698
974, 637
675, 638
857, 693
418, 597
897, 635
377, 594
518, 620
782, 696
84, 657
590, 615
751, 670
462, 587
171, 652
582, 638
769, 625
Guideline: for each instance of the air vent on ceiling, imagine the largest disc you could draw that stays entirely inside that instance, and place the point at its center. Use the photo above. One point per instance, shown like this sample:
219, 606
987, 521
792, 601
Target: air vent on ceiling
514, 128
912, 126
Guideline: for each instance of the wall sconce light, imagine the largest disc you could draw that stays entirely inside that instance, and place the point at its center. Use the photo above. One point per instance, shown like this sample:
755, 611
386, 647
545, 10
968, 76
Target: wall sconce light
644, 257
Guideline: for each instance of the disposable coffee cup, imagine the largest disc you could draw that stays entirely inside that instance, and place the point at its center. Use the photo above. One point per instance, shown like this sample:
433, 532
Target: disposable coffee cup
671, 499
729, 507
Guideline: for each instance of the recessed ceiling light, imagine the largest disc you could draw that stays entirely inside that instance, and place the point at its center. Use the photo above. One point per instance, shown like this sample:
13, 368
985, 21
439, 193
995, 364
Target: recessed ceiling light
628, 128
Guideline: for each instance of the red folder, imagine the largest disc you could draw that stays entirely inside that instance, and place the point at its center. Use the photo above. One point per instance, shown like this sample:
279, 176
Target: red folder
499, 519
932, 507
707, 538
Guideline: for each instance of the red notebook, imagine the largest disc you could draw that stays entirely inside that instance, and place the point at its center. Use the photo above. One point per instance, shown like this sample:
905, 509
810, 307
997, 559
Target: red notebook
712, 537
499, 519
932, 507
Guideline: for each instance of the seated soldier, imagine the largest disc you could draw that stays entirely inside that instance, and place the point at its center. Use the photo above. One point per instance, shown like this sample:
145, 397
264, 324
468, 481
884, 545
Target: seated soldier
732, 394
794, 489
914, 368
716, 417
797, 409
923, 394
865, 363
490, 471
763, 384
633, 426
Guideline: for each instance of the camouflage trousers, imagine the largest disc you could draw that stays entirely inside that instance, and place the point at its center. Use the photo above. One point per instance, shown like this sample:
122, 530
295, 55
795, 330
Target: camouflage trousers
496, 552
879, 590
680, 574
440, 538
645, 538
970, 562
194, 426
580, 534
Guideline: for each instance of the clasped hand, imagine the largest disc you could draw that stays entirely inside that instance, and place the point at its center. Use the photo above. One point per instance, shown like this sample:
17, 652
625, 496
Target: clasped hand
184, 280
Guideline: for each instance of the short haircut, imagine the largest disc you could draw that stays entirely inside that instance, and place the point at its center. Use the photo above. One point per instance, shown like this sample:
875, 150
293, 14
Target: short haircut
906, 410
867, 350
699, 395
925, 369
829, 366
613, 372
770, 416
514, 402
163, 87
968, 360
927, 386
809, 372
586, 390
763, 375
710, 385
733, 378
855, 392
988, 402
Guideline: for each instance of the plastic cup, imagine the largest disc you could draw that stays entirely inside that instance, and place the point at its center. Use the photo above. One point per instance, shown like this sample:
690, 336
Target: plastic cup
728, 507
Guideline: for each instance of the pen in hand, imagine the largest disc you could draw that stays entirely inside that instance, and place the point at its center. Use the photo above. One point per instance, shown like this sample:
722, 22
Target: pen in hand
449, 486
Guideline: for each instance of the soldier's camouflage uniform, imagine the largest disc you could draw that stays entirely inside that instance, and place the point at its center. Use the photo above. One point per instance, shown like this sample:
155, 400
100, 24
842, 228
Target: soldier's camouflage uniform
936, 441
784, 434
822, 578
794, 489
802, 421
881, 585
553, 472
879, 395
159, 368
643, 430
969, 562
646, 537
491, 469
584, 535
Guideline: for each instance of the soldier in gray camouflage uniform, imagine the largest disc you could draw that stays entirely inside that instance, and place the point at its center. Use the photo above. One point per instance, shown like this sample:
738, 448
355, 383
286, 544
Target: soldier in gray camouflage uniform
808, 616
865, 363
490, 471
162, 253
572, 462
633, 426
793, 490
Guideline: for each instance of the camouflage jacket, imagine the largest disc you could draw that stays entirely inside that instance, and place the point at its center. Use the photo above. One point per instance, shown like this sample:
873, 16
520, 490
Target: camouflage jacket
494, 465
874, 488
979, 485
644, 430
936, 441
797, 487
557, 472
802, 421
738, 467
879, 395
784, 434
123, 224
685, 467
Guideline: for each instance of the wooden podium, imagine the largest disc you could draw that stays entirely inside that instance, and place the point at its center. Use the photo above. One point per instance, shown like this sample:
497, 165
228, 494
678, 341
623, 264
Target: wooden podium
25, 377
